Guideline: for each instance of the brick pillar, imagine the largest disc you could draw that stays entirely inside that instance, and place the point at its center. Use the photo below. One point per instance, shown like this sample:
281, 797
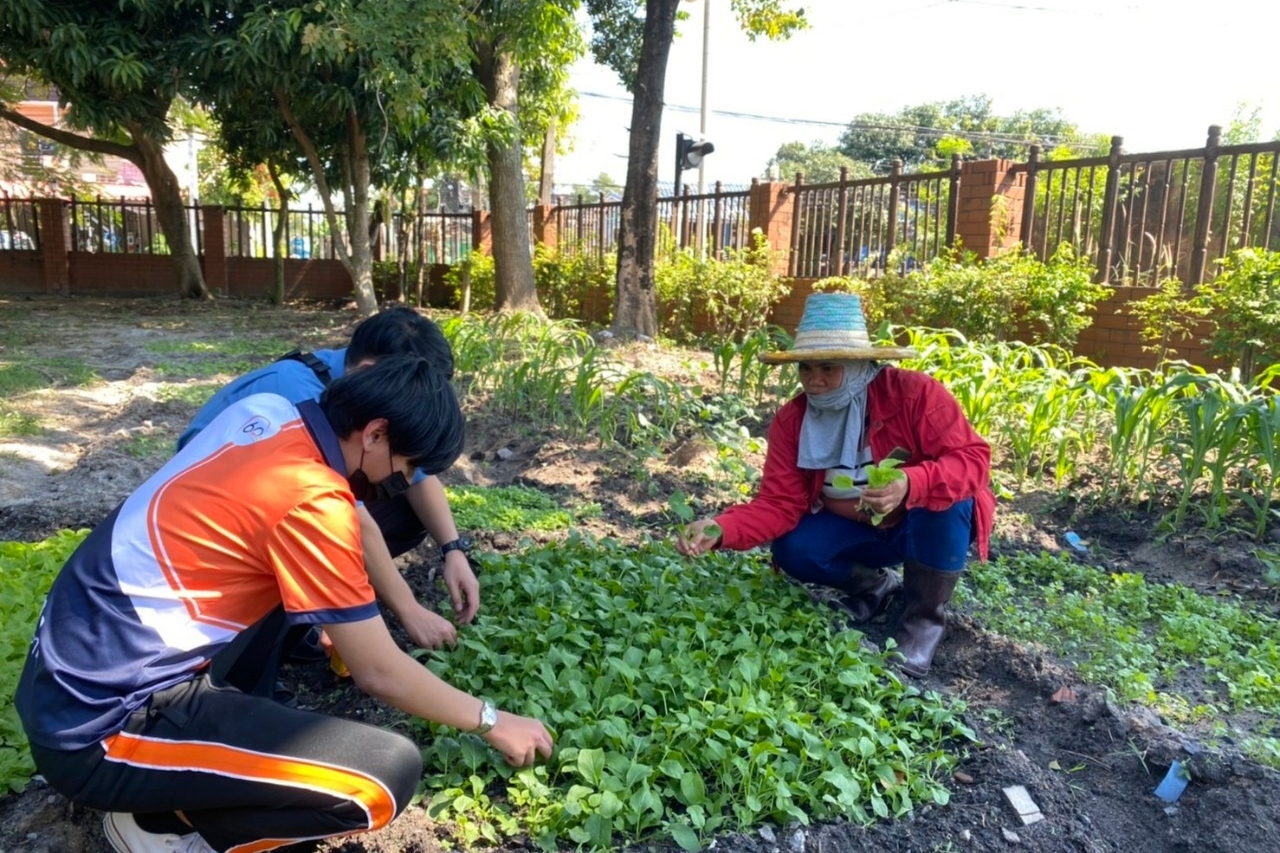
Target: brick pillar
214, 244
990, 212
55, 243
482, 232
771, 209
544, 226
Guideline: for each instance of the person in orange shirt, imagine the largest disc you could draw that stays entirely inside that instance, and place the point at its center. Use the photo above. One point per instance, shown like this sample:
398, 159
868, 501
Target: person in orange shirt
147, 688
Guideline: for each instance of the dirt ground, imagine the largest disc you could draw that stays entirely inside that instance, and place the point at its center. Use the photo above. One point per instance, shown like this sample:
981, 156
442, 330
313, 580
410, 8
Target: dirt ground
1089, 765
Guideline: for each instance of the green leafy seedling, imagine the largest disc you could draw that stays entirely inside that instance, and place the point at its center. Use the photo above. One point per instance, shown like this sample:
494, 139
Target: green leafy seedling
842, 481
679, 503
882, 475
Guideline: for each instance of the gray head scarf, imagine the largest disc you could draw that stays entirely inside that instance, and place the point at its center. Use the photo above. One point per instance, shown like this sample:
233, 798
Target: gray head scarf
831, 432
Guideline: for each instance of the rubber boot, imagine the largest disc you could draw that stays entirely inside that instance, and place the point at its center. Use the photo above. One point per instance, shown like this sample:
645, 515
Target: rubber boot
926, 592
868, 591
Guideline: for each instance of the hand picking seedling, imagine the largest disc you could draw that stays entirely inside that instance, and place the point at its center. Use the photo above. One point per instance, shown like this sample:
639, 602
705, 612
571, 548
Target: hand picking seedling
886, 489
692, 537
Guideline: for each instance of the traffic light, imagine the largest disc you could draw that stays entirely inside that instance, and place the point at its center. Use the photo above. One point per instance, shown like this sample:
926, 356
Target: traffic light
689, 155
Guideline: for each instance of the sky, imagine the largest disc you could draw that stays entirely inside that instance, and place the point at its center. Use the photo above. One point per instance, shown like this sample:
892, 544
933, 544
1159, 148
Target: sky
1155, 72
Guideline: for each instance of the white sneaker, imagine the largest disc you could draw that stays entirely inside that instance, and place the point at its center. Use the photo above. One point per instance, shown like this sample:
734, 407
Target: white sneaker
126, 836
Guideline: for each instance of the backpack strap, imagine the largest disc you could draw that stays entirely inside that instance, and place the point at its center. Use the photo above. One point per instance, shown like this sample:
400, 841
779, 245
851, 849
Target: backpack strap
317, 366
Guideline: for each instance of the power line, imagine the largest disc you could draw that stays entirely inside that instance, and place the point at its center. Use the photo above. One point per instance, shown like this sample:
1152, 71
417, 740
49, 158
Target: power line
977, 135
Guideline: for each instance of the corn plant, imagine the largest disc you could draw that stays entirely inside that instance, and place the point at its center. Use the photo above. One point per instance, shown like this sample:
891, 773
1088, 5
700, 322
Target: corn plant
970, 373
741, 371
1211, 413
1139, 414
1262, 423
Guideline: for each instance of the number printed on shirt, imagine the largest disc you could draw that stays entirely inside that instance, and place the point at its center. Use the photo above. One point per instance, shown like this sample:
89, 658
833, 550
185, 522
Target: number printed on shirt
255, 428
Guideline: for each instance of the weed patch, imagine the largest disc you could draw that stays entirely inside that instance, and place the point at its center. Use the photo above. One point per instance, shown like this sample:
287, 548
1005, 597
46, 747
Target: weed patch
512, 508
1135, 638
27, 571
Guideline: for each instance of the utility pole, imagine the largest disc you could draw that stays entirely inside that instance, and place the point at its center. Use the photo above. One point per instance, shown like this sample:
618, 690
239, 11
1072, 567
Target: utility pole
702, 131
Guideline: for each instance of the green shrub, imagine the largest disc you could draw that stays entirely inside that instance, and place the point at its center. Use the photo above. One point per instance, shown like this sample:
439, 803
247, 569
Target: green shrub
1243, 303
564, 279
998, 298
483, 280
731, 296
1167, 315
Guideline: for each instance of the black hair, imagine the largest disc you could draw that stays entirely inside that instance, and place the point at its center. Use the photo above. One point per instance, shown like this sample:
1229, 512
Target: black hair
400, 331
424, 421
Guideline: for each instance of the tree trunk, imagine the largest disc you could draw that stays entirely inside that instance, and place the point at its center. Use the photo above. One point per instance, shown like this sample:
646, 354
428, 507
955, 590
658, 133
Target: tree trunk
402, 244
170, 213
635, 310
358, 259
278, 235
419, 211
514, 287
546, 174
359, 216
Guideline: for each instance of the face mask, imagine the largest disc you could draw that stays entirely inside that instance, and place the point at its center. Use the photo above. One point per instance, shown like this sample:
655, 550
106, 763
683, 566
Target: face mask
384, 490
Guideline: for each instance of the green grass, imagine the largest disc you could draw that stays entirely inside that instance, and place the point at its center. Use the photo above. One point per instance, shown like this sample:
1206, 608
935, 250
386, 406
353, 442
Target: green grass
231, 356
513, 508
17, 424
21, 377
206, 369
142, 446
192, 393
266, 347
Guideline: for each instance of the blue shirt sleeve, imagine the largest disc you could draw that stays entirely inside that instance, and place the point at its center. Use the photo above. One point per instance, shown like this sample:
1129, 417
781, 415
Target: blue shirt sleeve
292, 380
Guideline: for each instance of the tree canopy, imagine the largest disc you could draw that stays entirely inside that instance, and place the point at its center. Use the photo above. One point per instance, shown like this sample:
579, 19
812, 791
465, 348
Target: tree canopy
118, 68
818, 163
926, 135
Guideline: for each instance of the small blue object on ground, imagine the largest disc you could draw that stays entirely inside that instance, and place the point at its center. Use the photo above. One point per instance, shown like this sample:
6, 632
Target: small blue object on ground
1173, 784
1074, 540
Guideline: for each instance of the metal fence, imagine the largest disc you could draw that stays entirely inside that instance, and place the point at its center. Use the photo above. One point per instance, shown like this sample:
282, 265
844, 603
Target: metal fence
19, 224
718, 219
1140, 218
859, 227
124, 226
436, 237
1143, 218
251, 233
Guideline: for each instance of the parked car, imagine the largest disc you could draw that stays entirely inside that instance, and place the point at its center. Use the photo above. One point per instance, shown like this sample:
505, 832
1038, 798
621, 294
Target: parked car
20, 240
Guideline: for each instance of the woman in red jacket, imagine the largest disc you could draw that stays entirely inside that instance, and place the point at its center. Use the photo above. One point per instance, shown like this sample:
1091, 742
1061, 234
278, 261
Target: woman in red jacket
827, 524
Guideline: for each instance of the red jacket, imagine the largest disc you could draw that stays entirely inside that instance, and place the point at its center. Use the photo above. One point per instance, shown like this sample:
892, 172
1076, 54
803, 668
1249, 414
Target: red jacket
949, 461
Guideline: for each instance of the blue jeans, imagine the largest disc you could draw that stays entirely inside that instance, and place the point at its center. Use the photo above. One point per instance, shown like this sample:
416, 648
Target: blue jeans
823, 546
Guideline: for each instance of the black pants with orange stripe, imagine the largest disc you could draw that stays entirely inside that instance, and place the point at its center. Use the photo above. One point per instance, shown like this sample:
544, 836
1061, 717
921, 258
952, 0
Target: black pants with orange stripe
248, 773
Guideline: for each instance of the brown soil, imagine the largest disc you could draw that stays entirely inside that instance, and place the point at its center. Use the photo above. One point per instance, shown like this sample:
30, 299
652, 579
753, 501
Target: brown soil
1089, 765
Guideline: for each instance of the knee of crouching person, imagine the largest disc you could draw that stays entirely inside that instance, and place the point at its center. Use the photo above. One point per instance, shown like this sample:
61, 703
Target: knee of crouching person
401, 766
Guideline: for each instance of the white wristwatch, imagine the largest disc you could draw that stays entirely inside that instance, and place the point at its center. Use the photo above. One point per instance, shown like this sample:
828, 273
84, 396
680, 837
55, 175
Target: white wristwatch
488, 718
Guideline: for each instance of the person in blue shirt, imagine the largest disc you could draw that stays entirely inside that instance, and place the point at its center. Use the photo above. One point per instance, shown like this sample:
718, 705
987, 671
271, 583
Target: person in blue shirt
389, 527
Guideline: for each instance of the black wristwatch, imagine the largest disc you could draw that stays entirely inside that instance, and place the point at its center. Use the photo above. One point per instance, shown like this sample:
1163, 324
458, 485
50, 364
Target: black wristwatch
462, 543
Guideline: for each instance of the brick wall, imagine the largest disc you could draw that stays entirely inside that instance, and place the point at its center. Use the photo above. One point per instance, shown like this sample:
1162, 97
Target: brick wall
1114, 338
21, 273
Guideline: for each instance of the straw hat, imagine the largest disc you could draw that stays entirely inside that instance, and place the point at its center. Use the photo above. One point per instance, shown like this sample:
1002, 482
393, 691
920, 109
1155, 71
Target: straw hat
833, 328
